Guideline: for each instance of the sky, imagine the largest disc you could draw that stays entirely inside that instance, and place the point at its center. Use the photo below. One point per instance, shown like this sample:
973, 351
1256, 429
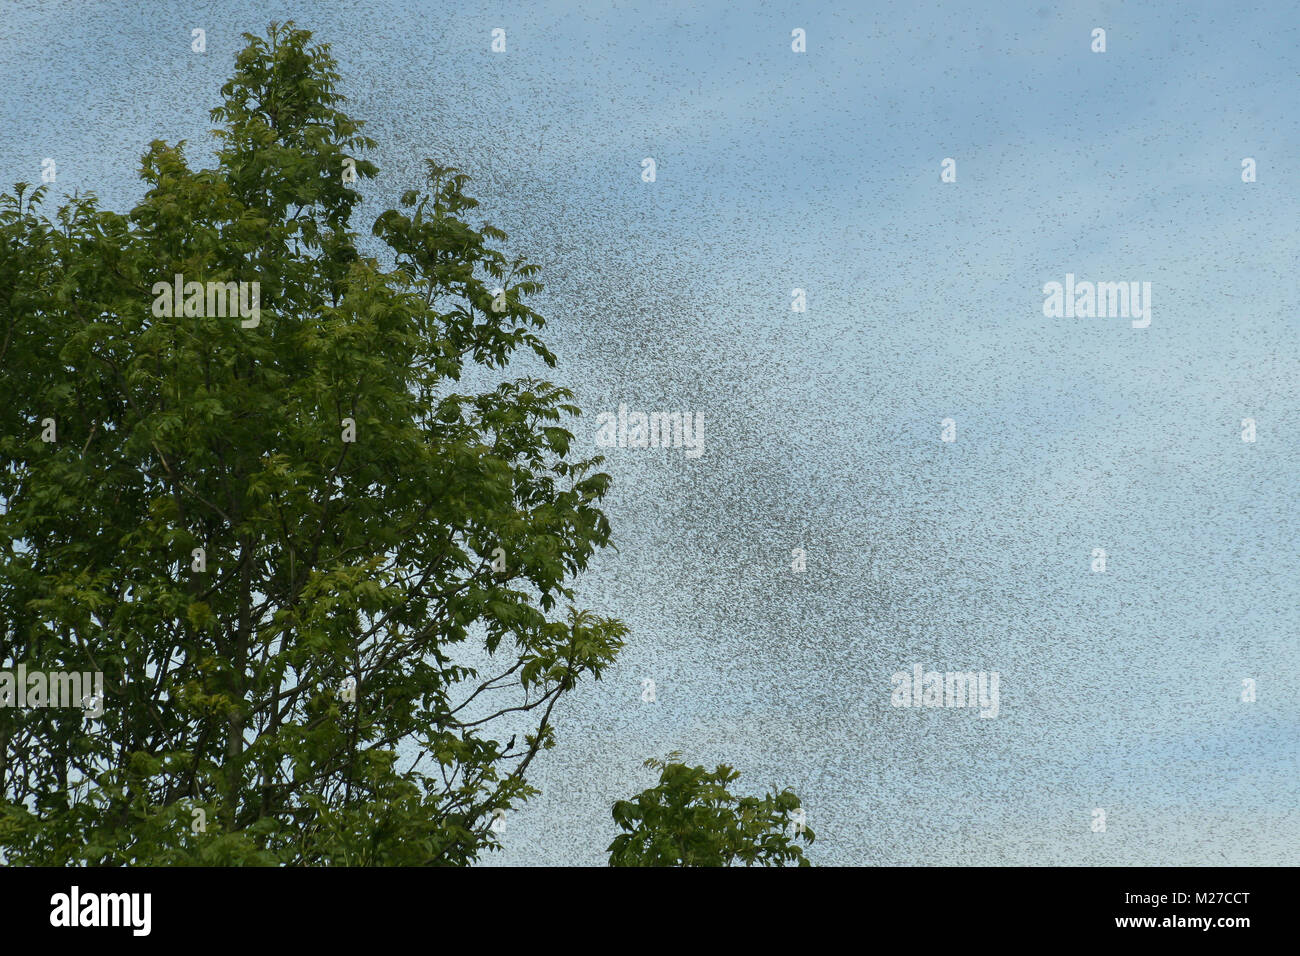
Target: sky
820, 170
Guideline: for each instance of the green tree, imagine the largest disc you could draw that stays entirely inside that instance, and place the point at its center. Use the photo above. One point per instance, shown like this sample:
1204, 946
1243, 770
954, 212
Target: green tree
690, 818
203, 530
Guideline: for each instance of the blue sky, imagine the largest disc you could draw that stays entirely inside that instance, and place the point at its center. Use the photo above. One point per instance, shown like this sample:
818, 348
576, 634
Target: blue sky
820, 171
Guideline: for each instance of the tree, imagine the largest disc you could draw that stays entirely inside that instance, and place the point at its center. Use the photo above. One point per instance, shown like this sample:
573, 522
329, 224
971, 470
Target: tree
290, 545
690, 819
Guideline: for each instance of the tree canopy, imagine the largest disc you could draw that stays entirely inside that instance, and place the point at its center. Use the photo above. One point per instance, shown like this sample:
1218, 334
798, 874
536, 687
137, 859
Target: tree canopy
273, 539
690, 818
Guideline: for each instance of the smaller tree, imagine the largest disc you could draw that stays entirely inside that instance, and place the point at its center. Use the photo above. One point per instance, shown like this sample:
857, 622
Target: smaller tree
691, 819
